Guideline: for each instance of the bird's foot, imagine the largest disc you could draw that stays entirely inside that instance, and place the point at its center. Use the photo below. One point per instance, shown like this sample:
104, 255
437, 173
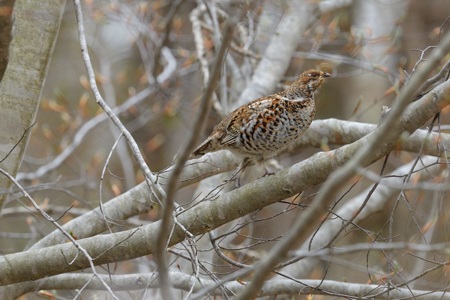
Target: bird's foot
268, 173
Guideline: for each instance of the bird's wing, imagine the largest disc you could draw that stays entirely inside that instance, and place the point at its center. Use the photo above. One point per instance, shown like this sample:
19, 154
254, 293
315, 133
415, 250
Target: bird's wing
231, 131
230, 137
234, 121
263, 103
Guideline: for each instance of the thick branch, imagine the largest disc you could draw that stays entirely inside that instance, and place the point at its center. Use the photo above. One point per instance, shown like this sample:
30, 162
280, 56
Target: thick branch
36, 28
133, 202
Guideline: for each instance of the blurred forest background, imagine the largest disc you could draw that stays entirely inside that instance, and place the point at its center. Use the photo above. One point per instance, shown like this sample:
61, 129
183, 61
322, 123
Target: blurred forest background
154, 59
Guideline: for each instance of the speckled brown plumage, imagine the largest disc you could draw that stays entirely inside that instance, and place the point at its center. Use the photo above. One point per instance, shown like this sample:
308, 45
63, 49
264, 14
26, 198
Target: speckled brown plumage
266, 126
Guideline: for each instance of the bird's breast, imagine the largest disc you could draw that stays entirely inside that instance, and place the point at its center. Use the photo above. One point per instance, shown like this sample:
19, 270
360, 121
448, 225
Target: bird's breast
267, 131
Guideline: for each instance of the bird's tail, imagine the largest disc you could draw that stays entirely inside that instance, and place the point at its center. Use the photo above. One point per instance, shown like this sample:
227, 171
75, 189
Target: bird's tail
204, 148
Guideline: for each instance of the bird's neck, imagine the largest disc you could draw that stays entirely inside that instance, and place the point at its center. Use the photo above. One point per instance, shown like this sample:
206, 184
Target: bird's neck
297, 93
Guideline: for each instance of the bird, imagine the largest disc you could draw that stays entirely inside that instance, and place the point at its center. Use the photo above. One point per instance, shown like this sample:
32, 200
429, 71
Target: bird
261, 129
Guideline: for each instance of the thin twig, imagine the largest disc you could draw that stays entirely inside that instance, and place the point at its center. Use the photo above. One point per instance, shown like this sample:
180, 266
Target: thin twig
167, 25
59, 227
443, 73
167, 214
102, 177
194, 17
154, 187
24, 134
82, 132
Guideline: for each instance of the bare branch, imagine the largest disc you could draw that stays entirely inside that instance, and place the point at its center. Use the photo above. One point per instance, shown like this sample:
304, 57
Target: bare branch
334, 131
330, 227
166, 221
36, 28
81, 134
59, 227
443, 74
150, 178
200, 48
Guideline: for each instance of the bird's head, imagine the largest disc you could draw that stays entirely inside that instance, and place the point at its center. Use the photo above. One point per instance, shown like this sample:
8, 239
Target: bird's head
312, 79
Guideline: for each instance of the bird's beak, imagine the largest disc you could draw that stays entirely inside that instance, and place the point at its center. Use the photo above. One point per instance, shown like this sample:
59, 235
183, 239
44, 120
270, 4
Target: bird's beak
325, 74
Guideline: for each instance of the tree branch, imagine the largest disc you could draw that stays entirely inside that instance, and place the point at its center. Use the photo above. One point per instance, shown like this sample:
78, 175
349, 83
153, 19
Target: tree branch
149, 177
36, 28
132, 202
167, 215
330, 227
